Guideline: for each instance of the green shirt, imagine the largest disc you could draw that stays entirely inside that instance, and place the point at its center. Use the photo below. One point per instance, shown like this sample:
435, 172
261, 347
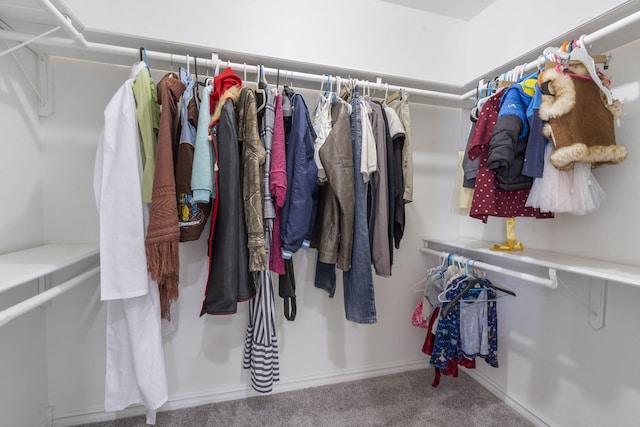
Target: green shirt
148, 114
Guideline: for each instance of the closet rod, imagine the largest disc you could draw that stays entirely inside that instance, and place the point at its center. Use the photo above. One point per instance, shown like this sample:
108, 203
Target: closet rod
28, 305
80, 42
211, 63
588, 39
65, 23
551, 282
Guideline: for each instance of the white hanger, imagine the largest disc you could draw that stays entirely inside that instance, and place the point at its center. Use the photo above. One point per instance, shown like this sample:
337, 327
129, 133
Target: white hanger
580, 54
188, 61
417, 287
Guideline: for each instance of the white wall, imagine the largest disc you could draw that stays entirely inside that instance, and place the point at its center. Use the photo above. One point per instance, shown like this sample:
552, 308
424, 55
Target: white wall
23, 388
21, 219
505, 31
373, 36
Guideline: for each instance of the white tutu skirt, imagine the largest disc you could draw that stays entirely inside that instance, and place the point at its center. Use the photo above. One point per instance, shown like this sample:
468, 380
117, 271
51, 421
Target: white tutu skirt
575, 191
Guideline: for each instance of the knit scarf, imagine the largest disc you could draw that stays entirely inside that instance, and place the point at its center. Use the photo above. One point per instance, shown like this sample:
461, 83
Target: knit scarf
163, 233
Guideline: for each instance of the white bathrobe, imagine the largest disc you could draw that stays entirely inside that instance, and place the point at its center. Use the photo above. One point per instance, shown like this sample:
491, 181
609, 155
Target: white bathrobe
135, 371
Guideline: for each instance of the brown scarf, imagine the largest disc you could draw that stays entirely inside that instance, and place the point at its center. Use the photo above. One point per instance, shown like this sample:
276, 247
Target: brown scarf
163, 233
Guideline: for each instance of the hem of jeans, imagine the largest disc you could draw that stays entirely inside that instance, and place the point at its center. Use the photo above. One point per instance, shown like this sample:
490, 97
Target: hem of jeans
330, 293
362, 321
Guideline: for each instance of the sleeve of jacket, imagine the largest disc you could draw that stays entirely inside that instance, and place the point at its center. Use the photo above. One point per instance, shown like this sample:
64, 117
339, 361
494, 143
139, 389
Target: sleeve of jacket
202, 183
534, 154
312, 182
503, 139
253, 157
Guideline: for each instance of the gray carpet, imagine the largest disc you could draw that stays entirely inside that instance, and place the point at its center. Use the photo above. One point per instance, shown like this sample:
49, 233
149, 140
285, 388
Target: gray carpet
405, 399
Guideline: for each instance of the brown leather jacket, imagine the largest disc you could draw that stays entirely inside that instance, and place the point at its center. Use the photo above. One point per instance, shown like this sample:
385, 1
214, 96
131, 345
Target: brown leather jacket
337, 207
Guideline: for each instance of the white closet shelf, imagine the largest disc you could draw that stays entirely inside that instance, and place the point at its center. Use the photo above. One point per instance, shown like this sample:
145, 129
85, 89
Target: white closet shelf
604, 270
17, 268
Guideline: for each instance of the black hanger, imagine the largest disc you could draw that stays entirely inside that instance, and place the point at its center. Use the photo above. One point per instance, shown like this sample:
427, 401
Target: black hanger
143, 57
261, 95
198, 82
476, 281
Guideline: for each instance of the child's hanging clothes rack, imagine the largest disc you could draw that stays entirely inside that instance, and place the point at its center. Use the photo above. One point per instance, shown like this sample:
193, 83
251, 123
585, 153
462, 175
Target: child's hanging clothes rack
463, 325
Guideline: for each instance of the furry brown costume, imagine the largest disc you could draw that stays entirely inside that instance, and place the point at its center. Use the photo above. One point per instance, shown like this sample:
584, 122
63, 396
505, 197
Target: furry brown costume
580, 123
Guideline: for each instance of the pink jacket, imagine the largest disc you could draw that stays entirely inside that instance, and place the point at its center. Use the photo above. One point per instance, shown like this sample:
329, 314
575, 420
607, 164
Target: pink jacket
278, 187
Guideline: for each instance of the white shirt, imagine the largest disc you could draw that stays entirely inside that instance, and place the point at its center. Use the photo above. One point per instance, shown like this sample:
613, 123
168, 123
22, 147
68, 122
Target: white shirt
117, 188
369, 157
135, 367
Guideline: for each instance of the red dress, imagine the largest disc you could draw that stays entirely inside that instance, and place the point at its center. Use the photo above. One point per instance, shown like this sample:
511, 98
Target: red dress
488, 199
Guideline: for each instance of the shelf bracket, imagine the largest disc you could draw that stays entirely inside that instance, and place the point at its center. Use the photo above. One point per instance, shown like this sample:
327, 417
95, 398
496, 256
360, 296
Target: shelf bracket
45, 85
597, 302
44, 283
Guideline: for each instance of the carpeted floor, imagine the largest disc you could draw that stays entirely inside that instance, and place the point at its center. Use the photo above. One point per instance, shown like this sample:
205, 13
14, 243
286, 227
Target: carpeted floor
405, 399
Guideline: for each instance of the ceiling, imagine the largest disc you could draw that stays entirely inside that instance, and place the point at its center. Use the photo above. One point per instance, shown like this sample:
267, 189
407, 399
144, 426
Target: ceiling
461, 9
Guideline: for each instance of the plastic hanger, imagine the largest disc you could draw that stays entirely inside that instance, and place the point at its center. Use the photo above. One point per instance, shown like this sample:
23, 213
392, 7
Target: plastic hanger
261, 96
581, 55
143, 57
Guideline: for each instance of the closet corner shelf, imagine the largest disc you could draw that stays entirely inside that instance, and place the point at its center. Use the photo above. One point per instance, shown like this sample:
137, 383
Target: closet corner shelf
17, 268
604, 270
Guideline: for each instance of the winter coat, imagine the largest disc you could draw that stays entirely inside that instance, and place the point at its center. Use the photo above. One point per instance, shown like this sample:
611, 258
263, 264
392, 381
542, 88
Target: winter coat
509, 137
229, 280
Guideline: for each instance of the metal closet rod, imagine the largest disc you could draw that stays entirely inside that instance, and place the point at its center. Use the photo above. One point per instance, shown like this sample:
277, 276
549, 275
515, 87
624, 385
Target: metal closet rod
551, 282
79, 41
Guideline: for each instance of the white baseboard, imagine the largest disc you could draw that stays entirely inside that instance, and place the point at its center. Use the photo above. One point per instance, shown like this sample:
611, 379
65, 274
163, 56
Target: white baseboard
187, 400
497, 391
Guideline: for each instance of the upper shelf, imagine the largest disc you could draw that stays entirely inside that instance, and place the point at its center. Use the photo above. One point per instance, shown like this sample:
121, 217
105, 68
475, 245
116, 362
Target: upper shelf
621, 273
23, 266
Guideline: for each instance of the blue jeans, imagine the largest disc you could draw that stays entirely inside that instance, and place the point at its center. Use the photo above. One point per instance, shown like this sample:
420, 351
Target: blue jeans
359, 299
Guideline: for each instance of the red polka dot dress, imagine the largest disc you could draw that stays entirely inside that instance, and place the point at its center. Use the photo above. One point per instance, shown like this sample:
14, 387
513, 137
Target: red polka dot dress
488, 199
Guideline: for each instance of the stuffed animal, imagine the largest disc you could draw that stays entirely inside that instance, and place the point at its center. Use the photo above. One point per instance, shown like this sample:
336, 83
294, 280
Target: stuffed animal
579, 120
